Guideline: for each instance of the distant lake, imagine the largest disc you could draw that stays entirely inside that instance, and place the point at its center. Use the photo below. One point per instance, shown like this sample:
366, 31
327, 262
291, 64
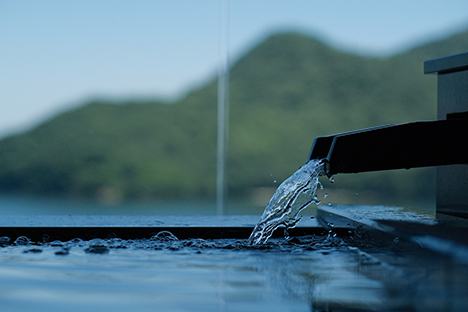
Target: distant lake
18, 205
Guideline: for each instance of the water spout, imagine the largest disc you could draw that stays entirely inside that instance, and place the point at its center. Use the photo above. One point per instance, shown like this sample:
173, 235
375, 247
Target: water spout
401, 146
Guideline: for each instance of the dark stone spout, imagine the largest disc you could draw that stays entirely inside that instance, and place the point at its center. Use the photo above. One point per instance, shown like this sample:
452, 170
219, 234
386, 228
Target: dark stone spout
402, 146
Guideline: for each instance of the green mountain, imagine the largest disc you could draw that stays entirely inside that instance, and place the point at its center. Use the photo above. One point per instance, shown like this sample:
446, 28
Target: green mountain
285, 92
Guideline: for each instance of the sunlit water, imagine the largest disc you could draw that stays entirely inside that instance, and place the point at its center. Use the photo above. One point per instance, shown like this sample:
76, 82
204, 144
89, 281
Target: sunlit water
291, 197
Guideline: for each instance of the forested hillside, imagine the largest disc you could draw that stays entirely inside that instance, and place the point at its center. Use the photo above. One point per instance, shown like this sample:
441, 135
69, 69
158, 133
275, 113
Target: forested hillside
285, 92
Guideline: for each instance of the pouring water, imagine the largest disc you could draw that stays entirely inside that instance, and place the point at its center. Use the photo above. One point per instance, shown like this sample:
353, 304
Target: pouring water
291, 197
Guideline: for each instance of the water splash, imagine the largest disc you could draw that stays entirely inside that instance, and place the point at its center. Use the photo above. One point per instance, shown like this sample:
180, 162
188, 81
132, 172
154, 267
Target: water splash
291, 197
166, 241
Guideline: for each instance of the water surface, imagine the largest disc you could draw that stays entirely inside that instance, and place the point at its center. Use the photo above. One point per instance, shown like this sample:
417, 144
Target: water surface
167, 274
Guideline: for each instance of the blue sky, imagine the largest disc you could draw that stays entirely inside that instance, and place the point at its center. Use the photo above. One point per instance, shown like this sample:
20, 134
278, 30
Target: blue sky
56, 54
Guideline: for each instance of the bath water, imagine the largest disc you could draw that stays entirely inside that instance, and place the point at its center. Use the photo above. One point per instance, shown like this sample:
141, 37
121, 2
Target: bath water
164, 273
291, 197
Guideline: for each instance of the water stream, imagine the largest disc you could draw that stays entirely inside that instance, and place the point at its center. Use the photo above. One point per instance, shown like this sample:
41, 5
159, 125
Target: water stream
291, 197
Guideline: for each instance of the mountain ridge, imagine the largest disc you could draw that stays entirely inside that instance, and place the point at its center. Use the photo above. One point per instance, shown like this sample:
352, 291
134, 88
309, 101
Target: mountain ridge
286, 91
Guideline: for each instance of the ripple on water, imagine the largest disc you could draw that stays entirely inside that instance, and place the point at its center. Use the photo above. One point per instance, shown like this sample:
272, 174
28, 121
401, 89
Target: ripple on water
167, 241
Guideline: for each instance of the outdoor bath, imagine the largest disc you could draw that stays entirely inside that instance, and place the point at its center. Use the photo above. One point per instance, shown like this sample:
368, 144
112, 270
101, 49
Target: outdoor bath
213, 268
345, 258
205, 263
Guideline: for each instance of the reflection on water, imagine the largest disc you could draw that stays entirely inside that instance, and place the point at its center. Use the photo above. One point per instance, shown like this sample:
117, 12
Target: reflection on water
310, 273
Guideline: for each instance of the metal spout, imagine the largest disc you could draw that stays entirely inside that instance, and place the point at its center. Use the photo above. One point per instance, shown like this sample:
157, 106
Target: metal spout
400, 146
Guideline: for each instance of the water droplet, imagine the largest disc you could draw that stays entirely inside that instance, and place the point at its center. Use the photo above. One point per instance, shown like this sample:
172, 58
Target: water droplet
325, 195
164, 236
331, 179
330, 205
76, 242
4, 240
22, 241
97, 246
357, 193
274, 181
396, 239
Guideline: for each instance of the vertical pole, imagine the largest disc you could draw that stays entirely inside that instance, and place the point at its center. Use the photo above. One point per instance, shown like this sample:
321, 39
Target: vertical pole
223, 112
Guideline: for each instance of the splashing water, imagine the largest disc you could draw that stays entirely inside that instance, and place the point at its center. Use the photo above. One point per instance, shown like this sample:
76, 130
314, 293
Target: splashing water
291, 197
